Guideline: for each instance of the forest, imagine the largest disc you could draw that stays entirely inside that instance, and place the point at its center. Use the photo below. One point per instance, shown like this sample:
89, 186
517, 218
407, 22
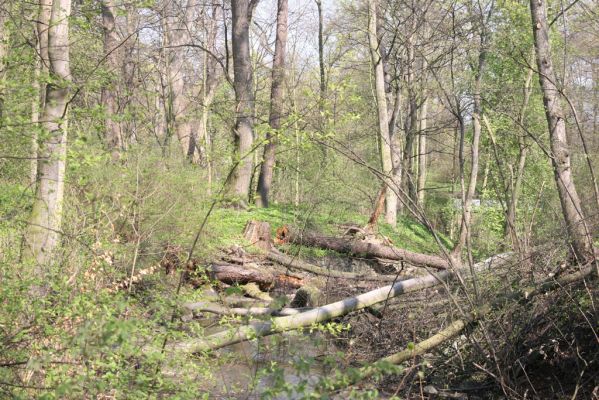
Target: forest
305, 199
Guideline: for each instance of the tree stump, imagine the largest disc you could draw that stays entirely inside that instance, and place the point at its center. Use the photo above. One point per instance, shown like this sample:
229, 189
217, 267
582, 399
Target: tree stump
258, 234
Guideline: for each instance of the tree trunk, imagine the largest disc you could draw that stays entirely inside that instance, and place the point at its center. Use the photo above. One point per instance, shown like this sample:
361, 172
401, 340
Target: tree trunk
210, 82
276, 106
476, 128
411, 127
358, 247
510, 220
42, 236
177, 24
113, 138
578, 232
3, 53
383, 117
234, 274
422, 153
323, 85
239, 185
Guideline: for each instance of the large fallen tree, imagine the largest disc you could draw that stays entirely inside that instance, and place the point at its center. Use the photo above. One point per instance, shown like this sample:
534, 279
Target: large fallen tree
363, 248
327, 312
296, 263
234, 274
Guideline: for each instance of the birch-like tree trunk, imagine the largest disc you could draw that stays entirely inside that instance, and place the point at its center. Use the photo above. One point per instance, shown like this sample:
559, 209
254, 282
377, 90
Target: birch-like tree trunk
276, 106
579, 235
112, 134
42, 236
178, 20
210, 82
239, 185
383, 115
3, 52
468, 194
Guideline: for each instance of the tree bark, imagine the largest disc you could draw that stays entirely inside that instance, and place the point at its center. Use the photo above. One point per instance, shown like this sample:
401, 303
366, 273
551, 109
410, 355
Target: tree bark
579, 235
276, 106
234, 274
411, 126
358, 247
113, 138
323, 84
383, 116
177, 23
510, 229
3, 53
42, 236
210, 82
239, 184
422, 153
476, 128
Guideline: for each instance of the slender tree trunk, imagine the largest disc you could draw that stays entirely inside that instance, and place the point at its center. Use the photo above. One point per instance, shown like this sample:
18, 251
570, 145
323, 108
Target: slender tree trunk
209, 84
276, 105
323, 85
476, 128
382, 112
510, 221
42, 236
177, 25
422, 153
113, 138
3, 52
130, 66
42, 63
239, 184
579, 235
411, 127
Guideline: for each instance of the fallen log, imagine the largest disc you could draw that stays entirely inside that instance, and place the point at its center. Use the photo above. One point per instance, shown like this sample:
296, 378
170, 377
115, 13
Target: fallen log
235, 274
295, 263
214, 308
362, 248
324, 313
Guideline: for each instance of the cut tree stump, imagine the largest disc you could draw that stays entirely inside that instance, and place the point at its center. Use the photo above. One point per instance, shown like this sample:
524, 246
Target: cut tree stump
258, 234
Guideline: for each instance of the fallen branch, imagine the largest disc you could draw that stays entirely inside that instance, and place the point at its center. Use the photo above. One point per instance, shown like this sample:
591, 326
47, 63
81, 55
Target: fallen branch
324, 313
249, 311
362, 248
295, 263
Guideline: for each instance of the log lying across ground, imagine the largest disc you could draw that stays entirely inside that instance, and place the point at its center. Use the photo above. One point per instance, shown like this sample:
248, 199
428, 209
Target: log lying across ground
295, 263
325, 313
235, 274
214, 308
362, 248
